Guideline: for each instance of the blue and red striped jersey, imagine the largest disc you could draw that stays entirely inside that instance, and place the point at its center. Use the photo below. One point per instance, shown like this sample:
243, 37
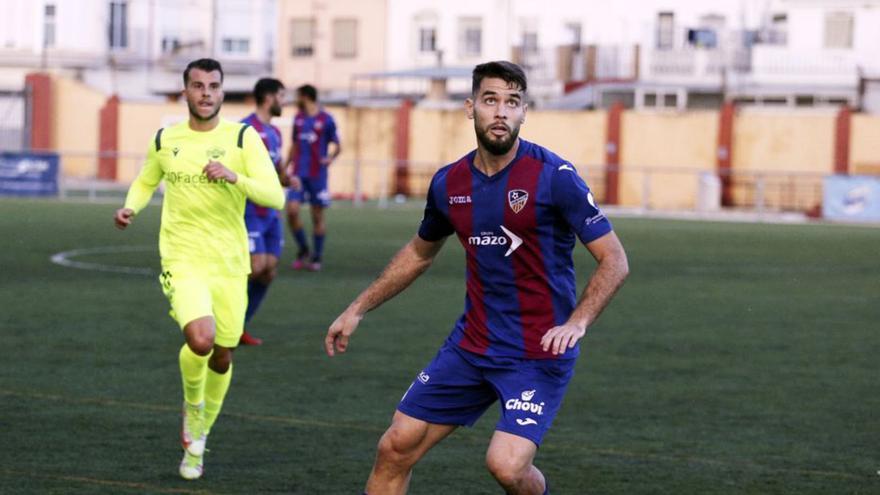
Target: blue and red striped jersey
271, 137
518, 228
311, 136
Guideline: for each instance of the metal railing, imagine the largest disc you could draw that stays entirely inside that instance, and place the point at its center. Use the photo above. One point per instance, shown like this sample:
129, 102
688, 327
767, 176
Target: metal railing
640, 188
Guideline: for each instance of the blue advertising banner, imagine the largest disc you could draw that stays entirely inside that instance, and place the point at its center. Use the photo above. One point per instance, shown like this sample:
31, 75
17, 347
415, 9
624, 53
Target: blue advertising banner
851, 198
28, 174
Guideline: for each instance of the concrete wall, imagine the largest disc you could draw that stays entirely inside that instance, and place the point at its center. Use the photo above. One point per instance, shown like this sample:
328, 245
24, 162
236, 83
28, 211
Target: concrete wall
864, 153
661, 152
75, 126
653, 141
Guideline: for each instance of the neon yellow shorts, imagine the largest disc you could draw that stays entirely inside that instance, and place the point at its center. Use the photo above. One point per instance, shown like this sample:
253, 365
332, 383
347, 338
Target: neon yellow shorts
195, 296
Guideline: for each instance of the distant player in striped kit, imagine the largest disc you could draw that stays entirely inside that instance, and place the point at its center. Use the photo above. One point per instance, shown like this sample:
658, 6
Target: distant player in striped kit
517, 209
314, 147
265, 233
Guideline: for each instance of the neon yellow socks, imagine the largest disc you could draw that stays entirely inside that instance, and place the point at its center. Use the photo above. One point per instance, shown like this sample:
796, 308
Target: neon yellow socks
216, 386
193, 371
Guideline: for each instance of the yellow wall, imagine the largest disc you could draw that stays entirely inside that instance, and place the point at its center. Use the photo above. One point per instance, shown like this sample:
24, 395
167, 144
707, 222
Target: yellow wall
436, 138
651, 141
76, 122
864, 152
799, 143
773, 140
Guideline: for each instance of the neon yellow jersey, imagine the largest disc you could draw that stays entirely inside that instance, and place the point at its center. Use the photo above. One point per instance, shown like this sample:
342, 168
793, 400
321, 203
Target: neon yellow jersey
203, 226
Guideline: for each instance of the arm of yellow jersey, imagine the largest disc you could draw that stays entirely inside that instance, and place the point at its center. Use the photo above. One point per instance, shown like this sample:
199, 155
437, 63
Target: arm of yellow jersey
260, 181
141, 190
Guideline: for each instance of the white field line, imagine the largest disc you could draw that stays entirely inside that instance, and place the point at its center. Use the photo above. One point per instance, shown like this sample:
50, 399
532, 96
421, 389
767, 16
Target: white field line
64, 258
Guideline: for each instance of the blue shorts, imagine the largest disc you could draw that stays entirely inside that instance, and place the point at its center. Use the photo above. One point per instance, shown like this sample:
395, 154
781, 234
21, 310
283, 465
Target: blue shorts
265, 234
458, 386
313, 190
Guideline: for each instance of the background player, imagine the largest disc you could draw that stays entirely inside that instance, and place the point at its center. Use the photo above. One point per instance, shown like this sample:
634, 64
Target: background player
210, 166
265, 234
314, 147
516, 208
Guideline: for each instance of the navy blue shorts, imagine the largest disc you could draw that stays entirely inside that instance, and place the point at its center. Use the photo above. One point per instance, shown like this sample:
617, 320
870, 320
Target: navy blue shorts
313, 190
458, 386
265, 234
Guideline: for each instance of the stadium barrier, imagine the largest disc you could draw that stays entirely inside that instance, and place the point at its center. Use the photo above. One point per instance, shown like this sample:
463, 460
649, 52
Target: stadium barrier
641, 188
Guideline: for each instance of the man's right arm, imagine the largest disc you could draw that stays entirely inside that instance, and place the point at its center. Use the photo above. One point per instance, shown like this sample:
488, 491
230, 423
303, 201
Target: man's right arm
141, 190
410, 262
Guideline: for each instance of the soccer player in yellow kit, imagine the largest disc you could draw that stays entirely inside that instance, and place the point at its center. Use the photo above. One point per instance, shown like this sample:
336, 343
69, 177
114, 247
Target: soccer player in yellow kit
210, 167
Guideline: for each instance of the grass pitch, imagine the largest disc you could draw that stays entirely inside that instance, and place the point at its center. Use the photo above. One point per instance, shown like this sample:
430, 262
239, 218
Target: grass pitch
737, 359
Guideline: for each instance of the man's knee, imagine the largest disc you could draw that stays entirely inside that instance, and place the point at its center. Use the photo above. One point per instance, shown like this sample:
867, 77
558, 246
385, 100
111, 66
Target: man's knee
508, 470
258, 266
220, 360
292, 209
199, 335
398, 448
268, 275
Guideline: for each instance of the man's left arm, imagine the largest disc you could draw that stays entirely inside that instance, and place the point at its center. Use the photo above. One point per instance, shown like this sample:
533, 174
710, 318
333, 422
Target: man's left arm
333, 146
611, 271
575, 203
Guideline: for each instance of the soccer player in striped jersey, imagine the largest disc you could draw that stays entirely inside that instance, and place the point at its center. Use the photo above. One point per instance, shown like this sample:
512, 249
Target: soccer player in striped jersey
265, 233
314, 147
518, 209
210, 166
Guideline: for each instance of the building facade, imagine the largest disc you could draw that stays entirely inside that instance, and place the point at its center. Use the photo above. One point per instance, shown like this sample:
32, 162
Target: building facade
136, 48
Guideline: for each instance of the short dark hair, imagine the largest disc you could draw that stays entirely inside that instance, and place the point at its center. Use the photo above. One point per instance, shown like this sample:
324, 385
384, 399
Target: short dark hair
501, 69
266, 86
205, 64
308, 91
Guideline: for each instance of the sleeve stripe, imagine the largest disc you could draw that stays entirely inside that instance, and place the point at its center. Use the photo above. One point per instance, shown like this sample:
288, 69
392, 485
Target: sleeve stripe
159, 139
241, 135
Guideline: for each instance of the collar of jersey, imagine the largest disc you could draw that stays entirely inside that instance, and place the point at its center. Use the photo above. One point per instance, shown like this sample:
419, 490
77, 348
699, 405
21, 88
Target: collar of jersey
523, 144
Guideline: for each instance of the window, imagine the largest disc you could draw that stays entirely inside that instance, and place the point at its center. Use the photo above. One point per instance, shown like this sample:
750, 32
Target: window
118, 29
427, 39
302, 37
49, 25
838, 30
236, 45
778, 34
170, 44
665, 31
425, 31
345, 38
470, 36
702, 38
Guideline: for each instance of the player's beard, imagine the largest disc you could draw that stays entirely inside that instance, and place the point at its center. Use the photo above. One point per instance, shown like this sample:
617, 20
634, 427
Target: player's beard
275, 109
495, 146
194, 111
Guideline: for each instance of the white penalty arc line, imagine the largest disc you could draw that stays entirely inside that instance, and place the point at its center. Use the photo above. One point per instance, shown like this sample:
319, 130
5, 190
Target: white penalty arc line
64, 258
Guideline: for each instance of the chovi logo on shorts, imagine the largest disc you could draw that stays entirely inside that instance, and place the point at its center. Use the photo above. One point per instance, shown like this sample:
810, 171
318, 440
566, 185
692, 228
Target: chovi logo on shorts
525, 404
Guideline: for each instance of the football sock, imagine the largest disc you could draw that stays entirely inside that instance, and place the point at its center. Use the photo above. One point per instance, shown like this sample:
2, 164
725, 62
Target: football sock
300, 237
319, 247
193, 370
216, 386
256, 292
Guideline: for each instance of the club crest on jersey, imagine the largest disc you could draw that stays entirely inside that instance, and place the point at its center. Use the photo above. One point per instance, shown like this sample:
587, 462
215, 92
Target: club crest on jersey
517, 199
215, 153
